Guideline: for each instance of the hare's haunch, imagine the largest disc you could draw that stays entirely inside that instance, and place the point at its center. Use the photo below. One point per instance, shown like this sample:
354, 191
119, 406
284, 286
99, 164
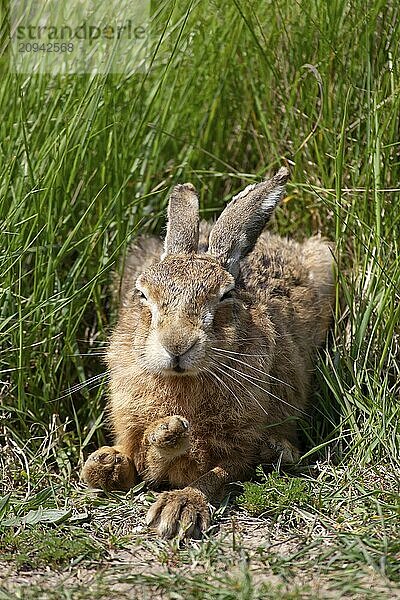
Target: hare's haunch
212, 356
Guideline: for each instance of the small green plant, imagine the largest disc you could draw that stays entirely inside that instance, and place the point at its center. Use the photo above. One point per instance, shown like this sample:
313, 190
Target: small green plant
277, 494
38, 547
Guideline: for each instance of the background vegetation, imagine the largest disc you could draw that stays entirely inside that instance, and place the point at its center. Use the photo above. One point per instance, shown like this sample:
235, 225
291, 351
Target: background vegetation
234, 89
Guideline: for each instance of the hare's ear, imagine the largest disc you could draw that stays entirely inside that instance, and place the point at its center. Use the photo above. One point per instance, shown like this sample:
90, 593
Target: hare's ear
238, 227
183, 221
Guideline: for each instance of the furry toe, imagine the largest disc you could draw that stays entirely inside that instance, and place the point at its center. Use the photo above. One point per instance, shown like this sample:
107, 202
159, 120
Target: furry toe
108, 469
170, 436
183, 513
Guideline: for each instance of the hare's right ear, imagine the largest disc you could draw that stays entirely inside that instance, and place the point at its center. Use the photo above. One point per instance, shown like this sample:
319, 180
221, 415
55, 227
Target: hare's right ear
238, 227
183, 221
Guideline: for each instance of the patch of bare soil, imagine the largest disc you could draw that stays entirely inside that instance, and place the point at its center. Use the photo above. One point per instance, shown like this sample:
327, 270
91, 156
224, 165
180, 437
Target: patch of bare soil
268, 556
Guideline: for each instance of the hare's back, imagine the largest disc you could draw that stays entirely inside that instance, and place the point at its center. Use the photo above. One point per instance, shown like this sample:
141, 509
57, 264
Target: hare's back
277, 261
286, 272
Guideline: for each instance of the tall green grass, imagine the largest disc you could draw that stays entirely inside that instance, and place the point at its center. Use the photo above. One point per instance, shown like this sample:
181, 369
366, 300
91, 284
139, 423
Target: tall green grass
234, 90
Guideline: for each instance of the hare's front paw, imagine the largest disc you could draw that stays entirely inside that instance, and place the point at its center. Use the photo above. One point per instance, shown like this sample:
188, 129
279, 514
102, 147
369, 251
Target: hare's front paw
169, 436
182, 513
108, 469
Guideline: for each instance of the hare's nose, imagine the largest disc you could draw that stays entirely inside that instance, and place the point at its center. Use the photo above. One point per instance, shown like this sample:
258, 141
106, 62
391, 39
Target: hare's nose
175, 364
177, 352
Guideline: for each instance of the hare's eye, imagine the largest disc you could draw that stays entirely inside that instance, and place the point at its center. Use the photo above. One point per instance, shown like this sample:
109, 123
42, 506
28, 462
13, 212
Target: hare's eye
227, 296
140, 294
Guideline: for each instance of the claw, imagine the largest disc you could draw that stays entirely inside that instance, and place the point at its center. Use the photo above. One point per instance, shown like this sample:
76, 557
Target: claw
183, 513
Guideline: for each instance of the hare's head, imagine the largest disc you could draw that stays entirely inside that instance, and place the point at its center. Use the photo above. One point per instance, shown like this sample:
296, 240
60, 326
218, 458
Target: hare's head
187, 301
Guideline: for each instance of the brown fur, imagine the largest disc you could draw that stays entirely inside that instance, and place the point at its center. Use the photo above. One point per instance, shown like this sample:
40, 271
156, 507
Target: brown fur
247, 361
182, 234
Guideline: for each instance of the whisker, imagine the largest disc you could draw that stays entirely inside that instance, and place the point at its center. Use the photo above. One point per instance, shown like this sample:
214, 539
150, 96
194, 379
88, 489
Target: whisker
216, 364
261, 338
241, 339
252, 382
68, 393
79, 386
88, 354
225, 386
91, 342
244, 387
256, 355
250, 366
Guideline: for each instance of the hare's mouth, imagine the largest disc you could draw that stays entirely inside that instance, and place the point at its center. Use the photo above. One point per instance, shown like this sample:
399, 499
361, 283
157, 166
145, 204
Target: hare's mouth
179, 371
173, 360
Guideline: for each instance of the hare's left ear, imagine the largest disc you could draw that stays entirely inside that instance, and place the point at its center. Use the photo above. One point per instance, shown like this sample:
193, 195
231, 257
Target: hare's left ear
238, 227
183, 221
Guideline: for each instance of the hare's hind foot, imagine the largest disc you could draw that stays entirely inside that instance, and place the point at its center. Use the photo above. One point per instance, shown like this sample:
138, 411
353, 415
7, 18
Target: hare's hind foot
109, 469
169, 436
183, 513
279, 449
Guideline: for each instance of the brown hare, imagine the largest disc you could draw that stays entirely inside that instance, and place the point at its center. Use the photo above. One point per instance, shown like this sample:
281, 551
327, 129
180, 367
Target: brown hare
212, 356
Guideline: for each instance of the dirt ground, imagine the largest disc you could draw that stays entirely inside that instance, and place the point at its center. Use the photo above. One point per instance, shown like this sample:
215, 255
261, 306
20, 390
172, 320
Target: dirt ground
242, 557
